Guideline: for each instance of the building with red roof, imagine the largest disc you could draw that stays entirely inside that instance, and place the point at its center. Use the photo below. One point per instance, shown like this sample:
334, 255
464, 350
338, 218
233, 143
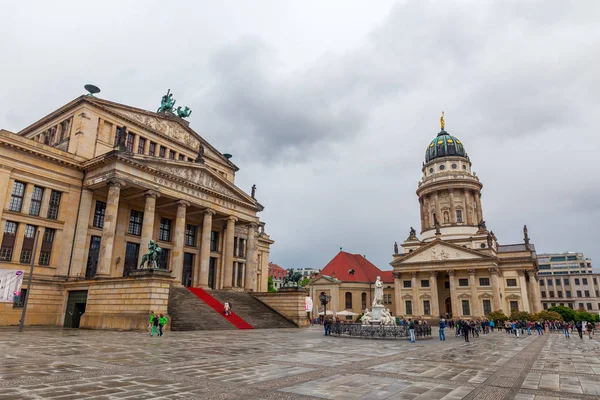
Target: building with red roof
277, 273
349, 279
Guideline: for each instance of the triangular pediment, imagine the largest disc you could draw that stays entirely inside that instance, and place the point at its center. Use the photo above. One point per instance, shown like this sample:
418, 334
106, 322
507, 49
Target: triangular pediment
324, 280
195, 174
440, 251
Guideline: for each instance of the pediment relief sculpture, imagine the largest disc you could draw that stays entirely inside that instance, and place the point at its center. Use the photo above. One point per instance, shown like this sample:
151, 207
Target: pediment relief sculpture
485, 296
425, 296
464, 296
407, 297
513, 297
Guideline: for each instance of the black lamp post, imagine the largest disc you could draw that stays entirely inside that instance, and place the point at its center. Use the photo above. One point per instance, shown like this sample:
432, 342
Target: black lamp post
324, 300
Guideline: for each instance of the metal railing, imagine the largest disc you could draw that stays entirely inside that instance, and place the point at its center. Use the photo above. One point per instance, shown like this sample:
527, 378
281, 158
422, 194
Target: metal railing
379, 331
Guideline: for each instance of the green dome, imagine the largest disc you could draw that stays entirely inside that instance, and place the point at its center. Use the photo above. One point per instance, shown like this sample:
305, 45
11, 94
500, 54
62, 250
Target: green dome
444, 145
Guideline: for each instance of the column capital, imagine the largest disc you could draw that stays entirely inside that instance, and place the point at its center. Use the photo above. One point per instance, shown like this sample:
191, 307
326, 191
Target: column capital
450, 272
397, 275
414, 274
493, 271
433, 274
209, 211
151, 193
471, 271
183, 203
532, 274
232, 218
252, 225
115, 182
521, 272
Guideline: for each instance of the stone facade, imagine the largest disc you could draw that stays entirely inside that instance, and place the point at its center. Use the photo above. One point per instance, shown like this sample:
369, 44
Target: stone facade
97, 201
289, 303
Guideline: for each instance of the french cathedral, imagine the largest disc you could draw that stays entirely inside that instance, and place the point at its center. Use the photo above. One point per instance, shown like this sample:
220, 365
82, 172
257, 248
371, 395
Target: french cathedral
456, 267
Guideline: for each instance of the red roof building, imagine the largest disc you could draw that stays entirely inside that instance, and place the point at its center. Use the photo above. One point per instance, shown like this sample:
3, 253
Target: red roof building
277, 273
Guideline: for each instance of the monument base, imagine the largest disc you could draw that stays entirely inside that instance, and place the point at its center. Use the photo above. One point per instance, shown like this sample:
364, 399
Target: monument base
376, 313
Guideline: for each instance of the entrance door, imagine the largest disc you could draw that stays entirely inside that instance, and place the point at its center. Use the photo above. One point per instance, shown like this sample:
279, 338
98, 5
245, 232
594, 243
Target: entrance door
75, 308
212, 266
188, 267
448, 304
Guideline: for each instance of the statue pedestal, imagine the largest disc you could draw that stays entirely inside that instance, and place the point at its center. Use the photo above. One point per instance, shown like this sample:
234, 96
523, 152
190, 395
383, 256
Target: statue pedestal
376, 313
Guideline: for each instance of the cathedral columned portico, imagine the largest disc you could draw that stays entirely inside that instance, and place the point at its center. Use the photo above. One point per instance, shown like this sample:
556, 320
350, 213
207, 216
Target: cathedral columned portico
457, 268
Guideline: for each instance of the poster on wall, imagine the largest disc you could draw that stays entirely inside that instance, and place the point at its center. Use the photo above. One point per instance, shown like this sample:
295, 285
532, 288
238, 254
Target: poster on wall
10, 284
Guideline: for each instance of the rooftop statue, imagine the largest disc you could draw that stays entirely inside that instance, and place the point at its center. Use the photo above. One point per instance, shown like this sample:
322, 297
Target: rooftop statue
167, 103
183, 113
442, 123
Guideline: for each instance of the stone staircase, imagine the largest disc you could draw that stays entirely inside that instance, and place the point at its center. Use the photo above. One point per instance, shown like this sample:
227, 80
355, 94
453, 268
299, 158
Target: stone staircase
189, 313
252, 310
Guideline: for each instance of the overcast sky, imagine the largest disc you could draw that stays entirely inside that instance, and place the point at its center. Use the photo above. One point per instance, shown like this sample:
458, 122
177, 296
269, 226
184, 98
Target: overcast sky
328, 106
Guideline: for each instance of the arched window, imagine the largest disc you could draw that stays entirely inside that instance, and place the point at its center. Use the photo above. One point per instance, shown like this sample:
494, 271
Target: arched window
348, 300
363, 298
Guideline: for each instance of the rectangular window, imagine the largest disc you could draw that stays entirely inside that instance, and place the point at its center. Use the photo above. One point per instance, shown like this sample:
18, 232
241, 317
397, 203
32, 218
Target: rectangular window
130, 139
36, 201
459, 216
99, 213
542, 283
214, 241
152, 149
566, 281
424, 282
408, 304
46, 249
579, 293
581, 305
27, 248
549, 282
242, 249
19, 301
16, 197
557, 281
407, 284
136, 220
559, 293
543, 294
512, 282
589, 306
584, 281
164, 231
171, 155
141, 145
487, 307
551, 294
546, 306
92, 262
131, 258
577, 281
182, 157
426, 307
484, 282
568, 293
587, 293
190, 235
54, 204
235, 246
162, 152
595, 281
463, 282
466, 308
446, 285
8, 241
163, 260
514, 306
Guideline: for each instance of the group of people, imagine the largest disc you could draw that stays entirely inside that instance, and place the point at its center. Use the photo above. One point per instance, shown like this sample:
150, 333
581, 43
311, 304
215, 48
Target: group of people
157, 323
227, 307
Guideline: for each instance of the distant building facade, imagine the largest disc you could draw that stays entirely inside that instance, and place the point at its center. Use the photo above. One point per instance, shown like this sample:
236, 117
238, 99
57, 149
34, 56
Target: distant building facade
307, 272
277, 273
567, 279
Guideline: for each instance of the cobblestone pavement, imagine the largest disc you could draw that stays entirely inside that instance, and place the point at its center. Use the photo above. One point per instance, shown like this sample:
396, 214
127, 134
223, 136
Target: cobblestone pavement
293, 364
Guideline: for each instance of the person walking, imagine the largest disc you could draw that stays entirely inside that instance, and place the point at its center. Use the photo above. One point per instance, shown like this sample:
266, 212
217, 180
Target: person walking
150, 322
465, 329
442, 327
579, 327
589, 327
411, 330
162, 321
538, 327
565, 327
154, 325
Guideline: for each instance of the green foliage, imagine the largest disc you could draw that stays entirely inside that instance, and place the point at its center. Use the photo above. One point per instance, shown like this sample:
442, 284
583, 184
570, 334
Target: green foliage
270, 287
359, 317
497, 316
304, 282
521, 316
585, 316
548, 315
566, 313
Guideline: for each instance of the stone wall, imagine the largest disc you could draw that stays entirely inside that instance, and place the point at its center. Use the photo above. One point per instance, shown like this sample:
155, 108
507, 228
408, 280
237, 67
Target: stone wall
124, 304
45, 306
288, 303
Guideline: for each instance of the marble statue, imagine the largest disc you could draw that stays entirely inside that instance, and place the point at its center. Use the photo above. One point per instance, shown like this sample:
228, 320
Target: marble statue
395, 247
366, 318
378, 300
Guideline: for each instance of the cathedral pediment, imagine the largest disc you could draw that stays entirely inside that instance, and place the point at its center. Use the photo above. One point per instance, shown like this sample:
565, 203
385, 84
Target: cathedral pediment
440, 251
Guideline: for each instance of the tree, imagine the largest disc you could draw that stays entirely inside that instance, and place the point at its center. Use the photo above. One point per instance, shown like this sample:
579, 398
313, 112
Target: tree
304, 282
584, 316
497, 316
521, 316
548, 315
567, 313
270, 287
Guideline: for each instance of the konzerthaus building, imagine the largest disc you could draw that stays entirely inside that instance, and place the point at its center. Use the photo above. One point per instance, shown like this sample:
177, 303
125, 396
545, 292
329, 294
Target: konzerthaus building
99, 180
457, 267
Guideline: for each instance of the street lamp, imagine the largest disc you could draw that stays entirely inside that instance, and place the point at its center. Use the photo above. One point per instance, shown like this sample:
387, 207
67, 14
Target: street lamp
324, 300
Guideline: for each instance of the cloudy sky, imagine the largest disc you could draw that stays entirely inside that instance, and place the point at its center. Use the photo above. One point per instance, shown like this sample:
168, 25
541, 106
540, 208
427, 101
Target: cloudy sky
328, 106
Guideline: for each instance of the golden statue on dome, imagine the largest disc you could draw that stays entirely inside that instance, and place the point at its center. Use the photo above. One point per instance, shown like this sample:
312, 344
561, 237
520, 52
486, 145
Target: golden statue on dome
442, 121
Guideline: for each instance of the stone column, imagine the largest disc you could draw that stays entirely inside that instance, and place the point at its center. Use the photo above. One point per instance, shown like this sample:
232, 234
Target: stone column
468, 213
178, 241
250, 274
108, 232
435, 301
479, 210
534, 289
398, 294
81, 230
5, 191
201, 276
523, 285
148, 223
475, 306
422, 209
496, 301
453, 295
228, 266
452, 207
438, 209
415, 290
426, 217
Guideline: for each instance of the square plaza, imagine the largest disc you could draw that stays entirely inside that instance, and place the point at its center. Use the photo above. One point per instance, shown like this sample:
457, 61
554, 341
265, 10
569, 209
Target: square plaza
293, 364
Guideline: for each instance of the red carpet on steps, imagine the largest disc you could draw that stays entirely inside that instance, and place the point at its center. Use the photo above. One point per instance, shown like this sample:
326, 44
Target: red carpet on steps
216, 305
